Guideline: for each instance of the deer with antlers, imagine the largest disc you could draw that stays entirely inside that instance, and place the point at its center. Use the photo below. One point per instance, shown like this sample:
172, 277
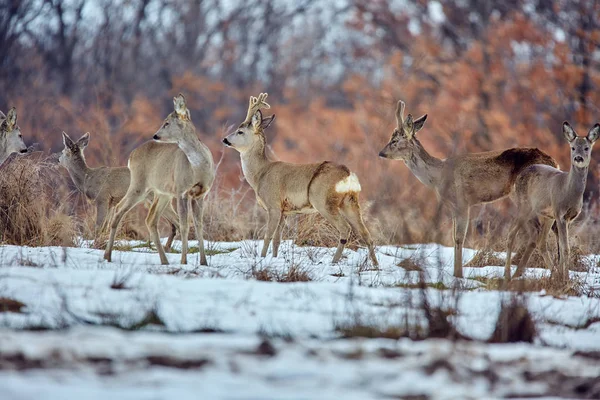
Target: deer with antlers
545, 194
175, 165
283, 188
459, 181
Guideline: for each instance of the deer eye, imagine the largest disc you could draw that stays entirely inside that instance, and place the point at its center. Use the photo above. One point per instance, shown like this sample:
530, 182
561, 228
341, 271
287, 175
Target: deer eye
166, 124
587, 148
240, 132
573, 148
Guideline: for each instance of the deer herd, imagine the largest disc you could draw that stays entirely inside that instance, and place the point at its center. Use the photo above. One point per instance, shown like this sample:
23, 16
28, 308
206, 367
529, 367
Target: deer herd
177, 165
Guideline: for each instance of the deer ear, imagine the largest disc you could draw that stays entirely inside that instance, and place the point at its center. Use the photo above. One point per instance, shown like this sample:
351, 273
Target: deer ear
11, 117
419, 122
67, 140
569, 132
400, 112
181, 108
257, 120
409, 125
594, 133
84, 140
266, 122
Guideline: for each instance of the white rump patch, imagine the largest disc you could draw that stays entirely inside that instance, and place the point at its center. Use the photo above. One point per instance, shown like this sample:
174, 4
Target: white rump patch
348, 184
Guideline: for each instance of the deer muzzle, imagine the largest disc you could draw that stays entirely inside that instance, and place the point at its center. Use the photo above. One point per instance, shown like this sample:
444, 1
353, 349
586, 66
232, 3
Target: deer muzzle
227, 143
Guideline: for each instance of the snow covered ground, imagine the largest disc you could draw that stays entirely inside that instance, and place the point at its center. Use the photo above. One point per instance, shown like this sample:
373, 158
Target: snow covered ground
225, 335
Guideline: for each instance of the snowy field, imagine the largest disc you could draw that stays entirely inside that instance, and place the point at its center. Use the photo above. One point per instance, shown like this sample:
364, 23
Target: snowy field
134, 329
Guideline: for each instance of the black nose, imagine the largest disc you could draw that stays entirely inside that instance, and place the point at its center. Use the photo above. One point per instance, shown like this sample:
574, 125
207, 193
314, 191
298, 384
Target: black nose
226, 142
578, 159
156, 137
381, 154
23, 151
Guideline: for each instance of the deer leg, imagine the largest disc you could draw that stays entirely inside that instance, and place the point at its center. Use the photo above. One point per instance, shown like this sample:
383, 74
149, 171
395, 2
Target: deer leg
555, 230
197, 212
512, 234
172, 217
461, 225
343, 228
101, 211
351, 211
272, 221
533, 234
277, 235
156, 210
184, 228
543, 241
563, 239
131, 199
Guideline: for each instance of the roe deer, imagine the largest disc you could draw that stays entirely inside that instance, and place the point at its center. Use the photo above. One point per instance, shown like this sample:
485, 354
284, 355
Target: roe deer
175, 165
460, 181
105, 186
283, 188
11, 139
545, 194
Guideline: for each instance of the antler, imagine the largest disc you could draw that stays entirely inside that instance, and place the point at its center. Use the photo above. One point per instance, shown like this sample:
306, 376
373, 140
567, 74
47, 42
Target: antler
256, 103
400, 112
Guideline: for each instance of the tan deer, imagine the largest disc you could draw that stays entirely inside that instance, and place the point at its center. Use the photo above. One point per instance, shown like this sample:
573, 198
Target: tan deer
175, 165
11, 138
460, 181
283, 189
545, 194
105, 186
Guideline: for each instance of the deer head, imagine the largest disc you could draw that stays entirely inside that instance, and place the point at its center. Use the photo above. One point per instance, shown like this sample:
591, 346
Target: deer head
251, 130
402, 142
581, 147
73, 150
176, 124
11, 139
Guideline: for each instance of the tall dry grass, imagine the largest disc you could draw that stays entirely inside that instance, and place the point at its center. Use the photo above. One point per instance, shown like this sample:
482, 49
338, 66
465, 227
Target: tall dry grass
33, 202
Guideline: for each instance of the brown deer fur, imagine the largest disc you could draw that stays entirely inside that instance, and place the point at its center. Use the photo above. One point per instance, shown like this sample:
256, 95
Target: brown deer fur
176, 165
105, 186
283, 188
545, 194
459, 181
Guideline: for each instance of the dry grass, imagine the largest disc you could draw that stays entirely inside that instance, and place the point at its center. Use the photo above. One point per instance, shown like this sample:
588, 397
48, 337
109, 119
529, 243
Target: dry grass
314, 230
485, 257
514, 324
10, 305
410, 264
32, 199
294, 273
552, 286
372, 331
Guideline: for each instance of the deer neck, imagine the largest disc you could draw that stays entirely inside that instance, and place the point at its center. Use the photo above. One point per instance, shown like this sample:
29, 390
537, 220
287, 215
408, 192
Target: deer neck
254, 161
196, 152
425, 167
79, 172
4, 154
576, 180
